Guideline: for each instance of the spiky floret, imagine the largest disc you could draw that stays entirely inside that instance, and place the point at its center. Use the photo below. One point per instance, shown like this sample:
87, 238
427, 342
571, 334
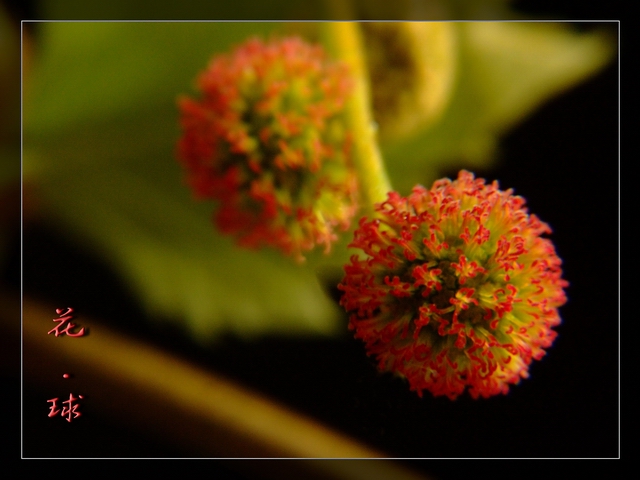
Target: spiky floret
456, 287
268, 141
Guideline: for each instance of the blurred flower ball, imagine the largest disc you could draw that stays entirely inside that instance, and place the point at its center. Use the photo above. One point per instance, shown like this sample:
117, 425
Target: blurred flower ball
267, 141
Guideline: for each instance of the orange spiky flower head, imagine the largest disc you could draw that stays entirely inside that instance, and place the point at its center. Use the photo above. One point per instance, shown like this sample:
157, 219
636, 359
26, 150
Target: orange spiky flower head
267, 140
456, 287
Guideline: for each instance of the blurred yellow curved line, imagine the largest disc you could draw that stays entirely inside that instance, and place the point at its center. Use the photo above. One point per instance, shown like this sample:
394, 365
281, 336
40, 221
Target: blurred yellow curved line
139, 383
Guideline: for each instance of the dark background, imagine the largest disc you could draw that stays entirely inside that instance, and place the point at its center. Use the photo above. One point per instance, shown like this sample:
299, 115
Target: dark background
564, 160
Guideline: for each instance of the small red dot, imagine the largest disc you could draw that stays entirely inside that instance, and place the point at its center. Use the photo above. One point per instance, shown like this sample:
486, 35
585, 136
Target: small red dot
66, 375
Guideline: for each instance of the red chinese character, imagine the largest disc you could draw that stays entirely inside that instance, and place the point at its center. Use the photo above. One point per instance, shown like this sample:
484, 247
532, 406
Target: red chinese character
70, 411
71, 408
64, 321
52, 409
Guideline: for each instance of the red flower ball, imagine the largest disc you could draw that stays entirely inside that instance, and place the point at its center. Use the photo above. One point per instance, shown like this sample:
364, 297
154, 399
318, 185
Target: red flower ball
456, 287
267, 141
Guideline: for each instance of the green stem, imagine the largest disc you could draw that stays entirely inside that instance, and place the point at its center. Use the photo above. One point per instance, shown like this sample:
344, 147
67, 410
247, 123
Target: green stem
344, 42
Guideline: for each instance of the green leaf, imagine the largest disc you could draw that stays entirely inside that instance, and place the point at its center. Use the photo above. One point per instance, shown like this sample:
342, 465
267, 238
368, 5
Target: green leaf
101, 126
100, 136
99, 72
505, 71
